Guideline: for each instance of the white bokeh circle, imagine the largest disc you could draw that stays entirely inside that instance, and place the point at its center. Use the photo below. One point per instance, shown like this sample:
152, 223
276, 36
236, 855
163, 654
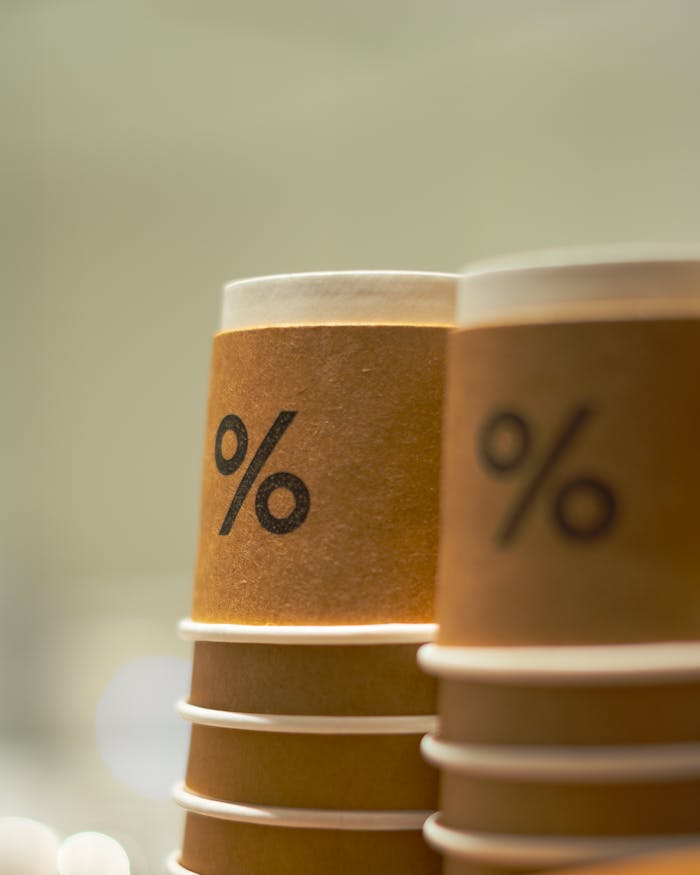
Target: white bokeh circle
139, 735
27, 847
87, 853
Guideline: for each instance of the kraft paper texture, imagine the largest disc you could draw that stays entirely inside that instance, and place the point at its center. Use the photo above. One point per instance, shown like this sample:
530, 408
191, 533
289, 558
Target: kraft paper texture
454, 866
685, 862
219, 847
571, 478
644, 808
310, 679
338, 429
512, 714
368, 772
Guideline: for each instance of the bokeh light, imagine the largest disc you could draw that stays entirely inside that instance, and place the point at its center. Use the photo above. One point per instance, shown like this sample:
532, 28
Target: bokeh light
141, 739
89, 853
27, 847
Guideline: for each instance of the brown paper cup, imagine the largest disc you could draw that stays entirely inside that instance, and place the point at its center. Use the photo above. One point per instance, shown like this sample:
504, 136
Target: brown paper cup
570, 469
684, 862
218, 847
322, 452
368, 772
494, 713
455, 866
576, 809
473, 852
309, 679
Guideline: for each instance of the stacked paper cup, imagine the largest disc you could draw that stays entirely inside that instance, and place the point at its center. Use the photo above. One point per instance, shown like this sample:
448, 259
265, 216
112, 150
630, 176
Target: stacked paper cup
315, 579
568, 649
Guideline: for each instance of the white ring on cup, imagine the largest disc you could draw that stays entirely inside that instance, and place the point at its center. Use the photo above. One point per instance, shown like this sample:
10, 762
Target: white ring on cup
175, 867
379, 633
584, 764
346, 297
541, 851
312, 724
305, 818
584, 283
584, 664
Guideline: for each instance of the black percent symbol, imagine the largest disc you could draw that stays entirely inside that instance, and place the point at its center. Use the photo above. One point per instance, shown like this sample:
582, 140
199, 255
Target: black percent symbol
281, 480
505, 443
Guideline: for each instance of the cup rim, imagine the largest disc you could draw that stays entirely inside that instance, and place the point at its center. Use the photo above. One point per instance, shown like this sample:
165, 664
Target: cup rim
308, 724
371, 633
573, 664
174, 866
585, 764
299, 818
340, 297
541, 851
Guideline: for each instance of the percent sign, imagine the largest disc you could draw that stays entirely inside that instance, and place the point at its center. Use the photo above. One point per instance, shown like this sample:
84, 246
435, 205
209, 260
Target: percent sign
281, 480
504, 444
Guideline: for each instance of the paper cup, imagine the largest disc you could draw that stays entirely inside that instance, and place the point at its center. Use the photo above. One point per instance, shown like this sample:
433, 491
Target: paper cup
325, 390
218, 847
523, 714
597, 764
380, 679
515, 853
570, 468
683, 862
455, 866
369, 772
535, 807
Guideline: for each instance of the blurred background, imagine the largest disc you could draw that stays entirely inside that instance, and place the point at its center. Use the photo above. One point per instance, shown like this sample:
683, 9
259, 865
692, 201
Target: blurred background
154, 149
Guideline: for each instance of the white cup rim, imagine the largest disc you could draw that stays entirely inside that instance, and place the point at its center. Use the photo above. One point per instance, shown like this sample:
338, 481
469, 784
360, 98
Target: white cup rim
375, 633
575, 664
299, 818
308, 724
344, 297
174, 866
542, 851
589, 764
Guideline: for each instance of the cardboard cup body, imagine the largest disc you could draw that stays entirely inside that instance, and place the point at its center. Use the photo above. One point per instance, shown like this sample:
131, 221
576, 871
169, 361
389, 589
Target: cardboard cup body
456, 866
683, 862
570, 467
369, 772
321, 461
575, 809
311, 679
624, 714
219, 847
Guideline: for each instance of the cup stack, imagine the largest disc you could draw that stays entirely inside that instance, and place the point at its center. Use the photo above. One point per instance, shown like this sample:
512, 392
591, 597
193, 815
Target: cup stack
315, 579
568, 647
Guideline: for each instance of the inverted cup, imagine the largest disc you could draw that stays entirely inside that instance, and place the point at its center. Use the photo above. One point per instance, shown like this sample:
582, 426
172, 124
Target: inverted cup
217, 847
313, 509
346, 679
570, 469
366, 772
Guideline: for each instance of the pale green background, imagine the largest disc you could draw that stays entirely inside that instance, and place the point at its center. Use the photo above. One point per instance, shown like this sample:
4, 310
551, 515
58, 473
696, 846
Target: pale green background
153, 149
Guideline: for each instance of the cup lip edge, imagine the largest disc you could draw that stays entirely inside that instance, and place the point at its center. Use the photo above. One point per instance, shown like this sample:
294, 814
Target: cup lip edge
300, 277
583, 663
586, 256
542, 850
553, 764
299, 818
308, 724
367, 633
